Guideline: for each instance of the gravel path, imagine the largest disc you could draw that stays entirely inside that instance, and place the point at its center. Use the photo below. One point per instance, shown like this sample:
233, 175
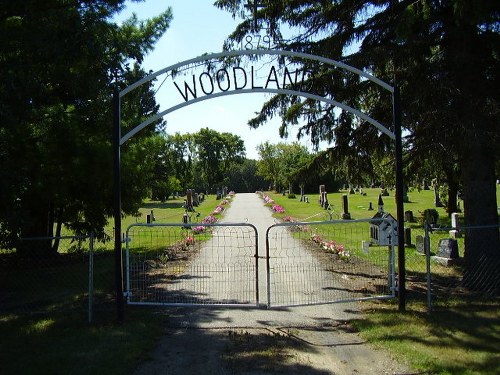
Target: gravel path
306, 340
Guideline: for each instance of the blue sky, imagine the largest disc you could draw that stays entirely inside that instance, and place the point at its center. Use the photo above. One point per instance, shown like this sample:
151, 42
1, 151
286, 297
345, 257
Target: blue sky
197, 28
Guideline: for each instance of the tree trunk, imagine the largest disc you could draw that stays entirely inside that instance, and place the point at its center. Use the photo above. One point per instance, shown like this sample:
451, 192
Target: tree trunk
482, 242
55, 245
452, 204
37, 233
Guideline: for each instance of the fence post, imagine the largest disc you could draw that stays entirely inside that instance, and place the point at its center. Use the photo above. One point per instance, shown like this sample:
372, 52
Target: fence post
427, 251
91, 276
117, 206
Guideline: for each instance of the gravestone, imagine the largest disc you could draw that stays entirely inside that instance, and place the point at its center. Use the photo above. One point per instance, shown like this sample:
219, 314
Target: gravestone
325, 201
455, 232
447, 253
409, 217
448, 248
407, 235
420, 244
425, 185
370, 207
322, 191
365, 246
437, 200
345, 208
189, 200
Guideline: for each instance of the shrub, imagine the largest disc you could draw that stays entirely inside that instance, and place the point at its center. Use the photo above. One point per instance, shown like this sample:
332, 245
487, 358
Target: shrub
430, 215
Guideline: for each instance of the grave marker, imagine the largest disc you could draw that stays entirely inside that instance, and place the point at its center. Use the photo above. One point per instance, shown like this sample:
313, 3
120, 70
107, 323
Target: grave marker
455, 232
420, 244
408, 236
409, 217
447, 253
345, 208
448, 248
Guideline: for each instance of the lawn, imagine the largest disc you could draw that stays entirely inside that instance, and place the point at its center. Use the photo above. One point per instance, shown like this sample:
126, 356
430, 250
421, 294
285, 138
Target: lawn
44, 308
64, 343
461, 335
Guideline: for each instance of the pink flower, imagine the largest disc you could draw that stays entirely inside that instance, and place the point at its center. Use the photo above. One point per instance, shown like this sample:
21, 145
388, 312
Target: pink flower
218, 210
277, 208
210, 219
198, 229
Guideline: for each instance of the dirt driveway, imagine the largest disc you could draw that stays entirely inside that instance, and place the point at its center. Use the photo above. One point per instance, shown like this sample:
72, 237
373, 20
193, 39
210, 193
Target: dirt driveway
296, 340
263, 346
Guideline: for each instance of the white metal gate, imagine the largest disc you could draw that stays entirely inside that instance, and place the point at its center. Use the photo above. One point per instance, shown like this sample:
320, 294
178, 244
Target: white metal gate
328, 262
220, 264
192, 264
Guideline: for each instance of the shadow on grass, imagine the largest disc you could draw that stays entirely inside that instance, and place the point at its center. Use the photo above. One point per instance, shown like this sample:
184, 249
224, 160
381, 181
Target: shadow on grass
63, 343
162, 205
458, 337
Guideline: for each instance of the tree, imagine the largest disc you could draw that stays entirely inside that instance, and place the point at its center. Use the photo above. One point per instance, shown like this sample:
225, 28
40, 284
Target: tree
267, 165
59, 62
282, 164
444, 55
215, 154
293, 158
244, 178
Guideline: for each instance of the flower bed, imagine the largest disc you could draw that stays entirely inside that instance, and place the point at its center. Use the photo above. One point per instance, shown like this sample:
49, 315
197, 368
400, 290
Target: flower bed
212, 219
331, 247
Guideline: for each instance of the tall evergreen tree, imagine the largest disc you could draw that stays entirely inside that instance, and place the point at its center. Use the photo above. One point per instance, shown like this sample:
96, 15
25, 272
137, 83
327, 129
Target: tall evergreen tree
444, 55
59, 62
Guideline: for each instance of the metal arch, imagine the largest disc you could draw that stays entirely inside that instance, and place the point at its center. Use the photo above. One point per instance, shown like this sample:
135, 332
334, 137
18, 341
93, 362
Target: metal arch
160, 115
259, 52
396, 136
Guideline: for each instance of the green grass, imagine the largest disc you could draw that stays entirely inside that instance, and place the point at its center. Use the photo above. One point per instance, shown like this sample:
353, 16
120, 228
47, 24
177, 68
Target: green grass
44, 325
64, 343
460, 336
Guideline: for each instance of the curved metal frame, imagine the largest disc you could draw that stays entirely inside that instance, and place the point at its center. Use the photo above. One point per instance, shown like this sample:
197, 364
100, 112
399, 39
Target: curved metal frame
118, 140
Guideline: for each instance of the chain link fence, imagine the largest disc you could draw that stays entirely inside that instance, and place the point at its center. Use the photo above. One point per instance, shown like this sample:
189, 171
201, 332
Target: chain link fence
439, 270
75, 274
56, 275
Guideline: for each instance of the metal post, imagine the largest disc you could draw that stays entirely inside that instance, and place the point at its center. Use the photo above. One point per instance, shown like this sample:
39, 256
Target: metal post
399, 201
427, 251
117, 206
91, 276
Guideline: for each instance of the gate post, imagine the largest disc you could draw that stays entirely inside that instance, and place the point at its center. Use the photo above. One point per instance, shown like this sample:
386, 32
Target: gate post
399, 201
117, 206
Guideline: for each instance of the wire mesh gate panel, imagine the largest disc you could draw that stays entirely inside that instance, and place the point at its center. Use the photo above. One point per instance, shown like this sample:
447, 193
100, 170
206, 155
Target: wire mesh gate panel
192, 264
327, 262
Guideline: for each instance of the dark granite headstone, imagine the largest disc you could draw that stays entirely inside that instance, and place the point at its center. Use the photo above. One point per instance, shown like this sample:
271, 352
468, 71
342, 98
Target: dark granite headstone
407, 234
448, 248
345, 208
409, 217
